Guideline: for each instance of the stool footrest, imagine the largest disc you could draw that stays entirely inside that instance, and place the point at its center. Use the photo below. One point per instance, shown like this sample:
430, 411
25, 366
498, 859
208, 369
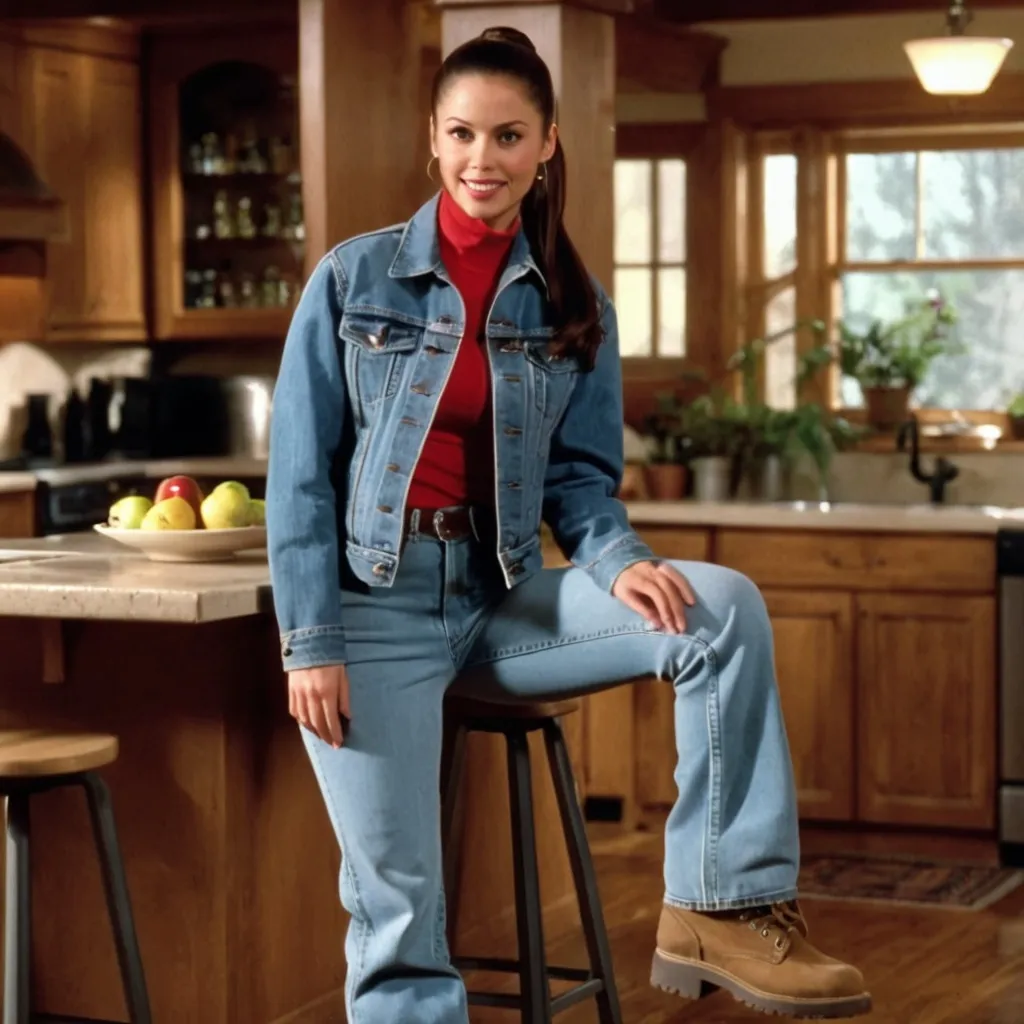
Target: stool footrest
588, 988
484, 963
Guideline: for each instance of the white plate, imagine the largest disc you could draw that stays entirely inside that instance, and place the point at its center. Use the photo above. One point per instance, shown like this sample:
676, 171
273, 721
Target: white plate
189, 545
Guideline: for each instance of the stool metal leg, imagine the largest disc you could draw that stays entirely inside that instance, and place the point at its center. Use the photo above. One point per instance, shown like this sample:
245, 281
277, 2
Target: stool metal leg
451, 826
584, 876
18, 913
118, 902
533, 980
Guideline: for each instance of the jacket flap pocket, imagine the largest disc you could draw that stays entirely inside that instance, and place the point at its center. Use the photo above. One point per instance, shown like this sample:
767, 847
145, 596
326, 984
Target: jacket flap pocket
537, 352
378, 336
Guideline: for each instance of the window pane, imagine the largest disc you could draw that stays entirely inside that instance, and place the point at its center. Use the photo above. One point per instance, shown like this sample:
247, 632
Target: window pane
633, 214
990, 304
973, 203
671, 211
672, 311
881, 206
780, 357
779, 214
633, 306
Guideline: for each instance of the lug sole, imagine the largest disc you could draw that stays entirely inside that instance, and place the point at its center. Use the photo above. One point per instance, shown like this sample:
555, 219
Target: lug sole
692, 979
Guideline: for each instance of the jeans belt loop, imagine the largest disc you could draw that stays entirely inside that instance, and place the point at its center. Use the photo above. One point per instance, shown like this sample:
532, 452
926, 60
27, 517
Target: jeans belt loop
473, 525
414, 522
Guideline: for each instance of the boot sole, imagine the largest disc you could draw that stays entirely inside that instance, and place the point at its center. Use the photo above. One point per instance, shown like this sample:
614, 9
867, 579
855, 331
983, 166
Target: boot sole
692, 979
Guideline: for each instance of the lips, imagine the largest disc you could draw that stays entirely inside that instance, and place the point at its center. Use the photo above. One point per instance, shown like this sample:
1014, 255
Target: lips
482, 187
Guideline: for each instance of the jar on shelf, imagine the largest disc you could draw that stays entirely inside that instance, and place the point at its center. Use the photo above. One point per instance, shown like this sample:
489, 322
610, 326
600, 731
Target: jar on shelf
223, 224
245, 224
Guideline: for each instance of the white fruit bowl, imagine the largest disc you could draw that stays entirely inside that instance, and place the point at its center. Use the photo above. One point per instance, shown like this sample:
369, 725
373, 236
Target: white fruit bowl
189, 545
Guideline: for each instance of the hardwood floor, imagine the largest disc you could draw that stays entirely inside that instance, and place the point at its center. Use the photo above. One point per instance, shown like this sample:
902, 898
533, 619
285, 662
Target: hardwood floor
922, 966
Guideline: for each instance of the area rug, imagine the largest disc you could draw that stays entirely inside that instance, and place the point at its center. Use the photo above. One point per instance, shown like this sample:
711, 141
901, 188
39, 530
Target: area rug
907, 881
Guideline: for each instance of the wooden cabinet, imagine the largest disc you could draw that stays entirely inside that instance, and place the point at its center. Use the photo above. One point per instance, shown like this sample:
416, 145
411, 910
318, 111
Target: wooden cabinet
228, 231
82, 127
17, 514
926, 687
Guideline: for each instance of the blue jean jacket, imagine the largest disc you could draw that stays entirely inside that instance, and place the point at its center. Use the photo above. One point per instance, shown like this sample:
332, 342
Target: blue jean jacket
368, 352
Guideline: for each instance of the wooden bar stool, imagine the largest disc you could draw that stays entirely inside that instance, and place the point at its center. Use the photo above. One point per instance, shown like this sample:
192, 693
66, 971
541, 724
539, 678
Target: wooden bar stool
34, 761
515, 722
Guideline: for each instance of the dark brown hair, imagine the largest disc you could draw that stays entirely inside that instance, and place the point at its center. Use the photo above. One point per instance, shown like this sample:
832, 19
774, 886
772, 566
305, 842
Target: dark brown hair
572, 299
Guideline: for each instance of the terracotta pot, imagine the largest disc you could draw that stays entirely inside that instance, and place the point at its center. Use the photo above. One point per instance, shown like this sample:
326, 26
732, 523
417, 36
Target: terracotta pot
887, 407
666, 481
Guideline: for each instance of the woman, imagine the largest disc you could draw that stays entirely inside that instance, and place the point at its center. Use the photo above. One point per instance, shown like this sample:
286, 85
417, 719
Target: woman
445, 385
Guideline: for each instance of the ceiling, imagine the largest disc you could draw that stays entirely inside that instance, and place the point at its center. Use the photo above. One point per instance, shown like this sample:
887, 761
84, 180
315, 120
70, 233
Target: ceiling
693, 11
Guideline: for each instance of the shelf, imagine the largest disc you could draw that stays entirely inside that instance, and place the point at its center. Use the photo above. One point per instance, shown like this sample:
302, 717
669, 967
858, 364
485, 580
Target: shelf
243, 324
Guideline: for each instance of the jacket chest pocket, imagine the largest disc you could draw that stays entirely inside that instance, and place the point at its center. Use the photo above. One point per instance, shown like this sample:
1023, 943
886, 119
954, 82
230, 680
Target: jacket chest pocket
377, 353
554, 378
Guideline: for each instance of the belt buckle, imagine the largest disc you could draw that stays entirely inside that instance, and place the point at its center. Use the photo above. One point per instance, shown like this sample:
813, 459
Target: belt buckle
443, 533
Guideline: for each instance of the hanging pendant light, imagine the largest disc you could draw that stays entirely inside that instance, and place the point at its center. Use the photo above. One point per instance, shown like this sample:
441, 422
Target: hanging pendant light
957, 64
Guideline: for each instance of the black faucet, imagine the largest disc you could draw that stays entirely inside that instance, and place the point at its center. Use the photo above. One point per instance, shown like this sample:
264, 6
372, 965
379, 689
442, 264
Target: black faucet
943, 472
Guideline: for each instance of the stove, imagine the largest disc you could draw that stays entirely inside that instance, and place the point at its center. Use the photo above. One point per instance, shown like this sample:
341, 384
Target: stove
72, 497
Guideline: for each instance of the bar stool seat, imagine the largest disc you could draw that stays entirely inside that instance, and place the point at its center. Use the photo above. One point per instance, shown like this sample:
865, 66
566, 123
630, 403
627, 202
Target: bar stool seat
33, 761
515, 721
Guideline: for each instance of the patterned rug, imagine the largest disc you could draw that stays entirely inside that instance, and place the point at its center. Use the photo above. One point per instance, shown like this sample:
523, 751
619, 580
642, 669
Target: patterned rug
908, 881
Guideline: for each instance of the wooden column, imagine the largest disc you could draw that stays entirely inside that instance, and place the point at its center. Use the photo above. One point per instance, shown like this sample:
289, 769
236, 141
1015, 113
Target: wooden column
360, 118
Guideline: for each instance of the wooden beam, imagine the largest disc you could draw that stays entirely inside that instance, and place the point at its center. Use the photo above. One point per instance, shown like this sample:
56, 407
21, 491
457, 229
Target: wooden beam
692, 12
658, 140
651, 56
601, 6
849, 104
155, 13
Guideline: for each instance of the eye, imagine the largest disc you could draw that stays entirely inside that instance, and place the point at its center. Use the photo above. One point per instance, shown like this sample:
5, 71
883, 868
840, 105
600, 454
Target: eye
509, 137
461, 133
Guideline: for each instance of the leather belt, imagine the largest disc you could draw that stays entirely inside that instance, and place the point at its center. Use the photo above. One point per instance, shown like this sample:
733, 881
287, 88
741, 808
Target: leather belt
449, 524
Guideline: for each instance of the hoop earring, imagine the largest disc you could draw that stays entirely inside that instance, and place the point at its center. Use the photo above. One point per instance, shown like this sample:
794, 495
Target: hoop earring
429, 164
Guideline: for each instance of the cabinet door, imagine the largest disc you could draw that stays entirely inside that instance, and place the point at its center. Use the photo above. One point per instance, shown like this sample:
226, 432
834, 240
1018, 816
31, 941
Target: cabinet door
17, 514
926, 686
814, 647
85, 138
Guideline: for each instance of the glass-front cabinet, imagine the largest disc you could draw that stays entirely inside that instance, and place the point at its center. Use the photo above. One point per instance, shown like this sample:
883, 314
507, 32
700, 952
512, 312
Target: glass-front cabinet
228, 231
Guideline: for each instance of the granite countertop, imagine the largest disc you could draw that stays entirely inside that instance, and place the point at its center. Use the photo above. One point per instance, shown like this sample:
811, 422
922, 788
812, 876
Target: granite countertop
12, 483
846, 516
86, 576
224, 467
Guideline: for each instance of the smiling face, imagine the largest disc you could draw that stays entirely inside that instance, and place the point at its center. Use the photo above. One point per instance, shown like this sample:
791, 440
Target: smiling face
489, 140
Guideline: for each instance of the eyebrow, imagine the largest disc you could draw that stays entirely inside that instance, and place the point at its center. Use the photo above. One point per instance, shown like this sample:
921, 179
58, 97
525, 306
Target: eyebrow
506, 124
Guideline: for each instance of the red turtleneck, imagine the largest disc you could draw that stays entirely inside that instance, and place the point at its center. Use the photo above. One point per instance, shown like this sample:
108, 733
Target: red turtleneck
462, 434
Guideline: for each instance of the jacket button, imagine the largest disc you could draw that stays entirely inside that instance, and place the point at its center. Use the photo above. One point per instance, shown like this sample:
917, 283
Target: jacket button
385, 508
380, 569
286, 651
392, 467
516, 569
511, 346
419, 389
515, 485
513, 431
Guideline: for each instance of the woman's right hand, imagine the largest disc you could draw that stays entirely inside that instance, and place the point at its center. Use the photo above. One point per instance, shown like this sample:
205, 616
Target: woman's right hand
317, 698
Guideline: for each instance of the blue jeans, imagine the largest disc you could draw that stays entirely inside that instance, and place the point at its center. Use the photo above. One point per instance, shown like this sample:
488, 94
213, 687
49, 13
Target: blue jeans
731, 838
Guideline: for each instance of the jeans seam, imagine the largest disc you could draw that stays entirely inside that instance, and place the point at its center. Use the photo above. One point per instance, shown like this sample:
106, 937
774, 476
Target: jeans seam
565, 641
709, 863
363, 923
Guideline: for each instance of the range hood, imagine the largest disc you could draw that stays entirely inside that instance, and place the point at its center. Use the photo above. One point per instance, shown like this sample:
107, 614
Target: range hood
29, 211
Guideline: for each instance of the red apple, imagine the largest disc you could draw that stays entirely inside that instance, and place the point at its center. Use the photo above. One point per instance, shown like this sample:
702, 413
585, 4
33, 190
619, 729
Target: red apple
182, 487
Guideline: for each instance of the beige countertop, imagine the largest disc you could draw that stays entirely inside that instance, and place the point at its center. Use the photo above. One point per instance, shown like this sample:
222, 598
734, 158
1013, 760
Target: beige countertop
847, 516
12, 483
86, 576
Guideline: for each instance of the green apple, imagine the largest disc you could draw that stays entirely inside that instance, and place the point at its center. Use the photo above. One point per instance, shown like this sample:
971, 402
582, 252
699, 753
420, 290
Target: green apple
170, 514
128, 513
257, 512
226, 507
233, 486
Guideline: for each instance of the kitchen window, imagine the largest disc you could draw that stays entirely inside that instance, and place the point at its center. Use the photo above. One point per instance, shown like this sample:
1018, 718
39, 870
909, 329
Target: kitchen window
650, 257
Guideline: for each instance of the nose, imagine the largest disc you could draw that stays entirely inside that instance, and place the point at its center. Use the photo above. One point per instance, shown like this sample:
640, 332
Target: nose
481, 155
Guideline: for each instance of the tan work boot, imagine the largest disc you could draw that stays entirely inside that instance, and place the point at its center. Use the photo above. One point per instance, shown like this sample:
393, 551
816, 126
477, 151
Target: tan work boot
761, 956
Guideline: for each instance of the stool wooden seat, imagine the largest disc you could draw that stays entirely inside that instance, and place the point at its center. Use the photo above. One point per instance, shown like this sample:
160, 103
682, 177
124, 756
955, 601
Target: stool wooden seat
515, 721
28, 753
33, 761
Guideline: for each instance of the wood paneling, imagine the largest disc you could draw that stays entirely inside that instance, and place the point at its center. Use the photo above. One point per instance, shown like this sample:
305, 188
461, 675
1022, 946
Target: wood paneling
834, 560
17, 509
693, 11
655, 57
927, 716
842, 104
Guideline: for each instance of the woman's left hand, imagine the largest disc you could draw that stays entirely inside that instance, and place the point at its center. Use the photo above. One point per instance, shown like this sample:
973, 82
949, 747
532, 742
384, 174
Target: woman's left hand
658, 592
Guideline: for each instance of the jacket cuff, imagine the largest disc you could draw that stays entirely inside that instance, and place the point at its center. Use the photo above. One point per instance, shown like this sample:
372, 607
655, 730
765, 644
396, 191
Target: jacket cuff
313, 647
607, 568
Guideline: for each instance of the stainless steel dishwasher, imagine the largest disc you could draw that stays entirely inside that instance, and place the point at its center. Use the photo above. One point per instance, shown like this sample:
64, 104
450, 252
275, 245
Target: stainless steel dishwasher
1010, 568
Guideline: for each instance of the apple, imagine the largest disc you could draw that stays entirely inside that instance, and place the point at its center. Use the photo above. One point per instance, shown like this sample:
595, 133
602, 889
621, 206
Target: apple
226, 507
180, 487
170, 514
257, 512
128, 513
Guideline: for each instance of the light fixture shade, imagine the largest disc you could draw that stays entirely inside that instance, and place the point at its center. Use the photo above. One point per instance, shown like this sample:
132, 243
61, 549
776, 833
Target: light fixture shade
957, 65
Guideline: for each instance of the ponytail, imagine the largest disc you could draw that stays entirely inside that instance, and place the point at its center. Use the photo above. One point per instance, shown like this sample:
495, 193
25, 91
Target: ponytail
572, 297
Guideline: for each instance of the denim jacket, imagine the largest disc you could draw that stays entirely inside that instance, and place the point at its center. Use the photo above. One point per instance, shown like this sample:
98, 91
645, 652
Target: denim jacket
367, 355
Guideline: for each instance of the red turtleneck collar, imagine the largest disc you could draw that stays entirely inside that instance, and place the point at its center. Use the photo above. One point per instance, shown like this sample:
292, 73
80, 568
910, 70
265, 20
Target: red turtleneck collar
470, 235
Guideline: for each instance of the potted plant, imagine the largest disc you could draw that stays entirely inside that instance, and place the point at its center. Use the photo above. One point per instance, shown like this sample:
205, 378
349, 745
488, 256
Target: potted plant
1015, 412
890, 360
666, 468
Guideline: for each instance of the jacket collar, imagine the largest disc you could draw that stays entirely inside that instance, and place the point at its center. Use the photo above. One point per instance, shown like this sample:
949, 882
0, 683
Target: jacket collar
419, 251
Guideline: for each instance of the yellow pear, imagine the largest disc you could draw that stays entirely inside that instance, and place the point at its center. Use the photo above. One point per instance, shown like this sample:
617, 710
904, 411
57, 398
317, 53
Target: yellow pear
226, 508
170, 514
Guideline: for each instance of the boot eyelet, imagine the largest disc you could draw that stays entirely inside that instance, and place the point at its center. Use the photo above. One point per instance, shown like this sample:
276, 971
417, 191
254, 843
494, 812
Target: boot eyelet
779, 942
753, 926
765, 934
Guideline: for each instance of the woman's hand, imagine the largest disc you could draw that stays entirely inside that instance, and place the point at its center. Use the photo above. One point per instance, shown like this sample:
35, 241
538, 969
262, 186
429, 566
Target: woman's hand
657, 592
317, 698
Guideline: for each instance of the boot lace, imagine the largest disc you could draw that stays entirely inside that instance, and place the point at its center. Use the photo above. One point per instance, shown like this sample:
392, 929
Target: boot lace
778, 919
